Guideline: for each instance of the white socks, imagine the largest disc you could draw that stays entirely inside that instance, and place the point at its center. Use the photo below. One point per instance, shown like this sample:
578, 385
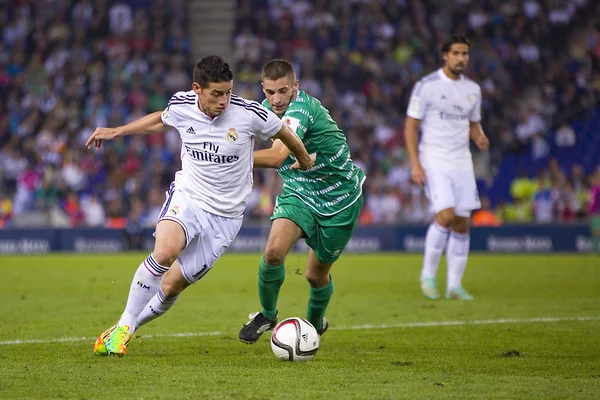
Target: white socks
156, 307
145, 285
435, 241
457, 254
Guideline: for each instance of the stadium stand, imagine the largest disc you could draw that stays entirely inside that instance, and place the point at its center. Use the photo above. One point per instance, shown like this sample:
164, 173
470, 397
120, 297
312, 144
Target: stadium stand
74, 65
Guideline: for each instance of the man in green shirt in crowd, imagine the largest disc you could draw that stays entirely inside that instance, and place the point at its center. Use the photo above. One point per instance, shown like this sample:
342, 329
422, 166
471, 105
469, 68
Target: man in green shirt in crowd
321, 205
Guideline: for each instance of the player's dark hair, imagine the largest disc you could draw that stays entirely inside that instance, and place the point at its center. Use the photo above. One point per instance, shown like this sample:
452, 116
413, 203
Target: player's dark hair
455, 39
277, 69
212, 69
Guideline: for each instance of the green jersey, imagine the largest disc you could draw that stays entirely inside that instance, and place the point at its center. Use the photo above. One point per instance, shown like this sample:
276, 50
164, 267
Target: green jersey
334, 182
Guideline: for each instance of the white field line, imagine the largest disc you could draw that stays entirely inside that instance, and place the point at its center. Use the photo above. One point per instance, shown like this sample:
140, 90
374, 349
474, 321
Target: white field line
341, 328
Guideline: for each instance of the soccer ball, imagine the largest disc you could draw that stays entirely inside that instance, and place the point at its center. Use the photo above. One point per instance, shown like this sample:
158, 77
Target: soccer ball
295, 339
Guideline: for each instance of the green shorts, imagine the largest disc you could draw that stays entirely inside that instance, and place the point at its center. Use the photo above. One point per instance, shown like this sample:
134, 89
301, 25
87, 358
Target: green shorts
326, 235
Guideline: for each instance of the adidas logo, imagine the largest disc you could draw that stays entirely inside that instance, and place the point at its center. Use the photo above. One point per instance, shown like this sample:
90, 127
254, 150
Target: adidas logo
443, 97
191, 131
305, 337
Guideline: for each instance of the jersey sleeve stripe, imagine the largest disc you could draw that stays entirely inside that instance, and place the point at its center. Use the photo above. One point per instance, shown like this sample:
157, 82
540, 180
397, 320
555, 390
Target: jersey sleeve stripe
172, 103
185, 95
255, 112
190, 97
252, 104
431, 75
183, 98
249, 103
261, 113
425, 82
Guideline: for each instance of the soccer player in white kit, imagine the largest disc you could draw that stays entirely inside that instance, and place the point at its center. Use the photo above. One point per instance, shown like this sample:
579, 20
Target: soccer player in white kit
205, 204
446, 106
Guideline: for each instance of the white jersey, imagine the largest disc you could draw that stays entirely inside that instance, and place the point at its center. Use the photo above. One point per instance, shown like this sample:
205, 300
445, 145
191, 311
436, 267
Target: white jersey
445, 108
217, 153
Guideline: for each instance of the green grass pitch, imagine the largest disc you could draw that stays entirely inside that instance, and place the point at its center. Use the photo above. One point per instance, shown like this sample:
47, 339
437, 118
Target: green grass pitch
533, 331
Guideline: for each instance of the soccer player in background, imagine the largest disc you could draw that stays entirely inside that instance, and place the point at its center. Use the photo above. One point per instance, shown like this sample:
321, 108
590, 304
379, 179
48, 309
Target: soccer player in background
321, 205
203, 211
446, 106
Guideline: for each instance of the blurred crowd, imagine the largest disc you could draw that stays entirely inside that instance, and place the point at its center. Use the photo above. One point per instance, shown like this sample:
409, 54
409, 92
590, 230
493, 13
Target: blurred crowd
67, 67
536, 61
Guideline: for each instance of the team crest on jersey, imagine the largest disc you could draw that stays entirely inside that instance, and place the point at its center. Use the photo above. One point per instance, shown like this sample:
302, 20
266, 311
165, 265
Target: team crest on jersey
165, 113
232, 135
292, 123
174, 210
470, 98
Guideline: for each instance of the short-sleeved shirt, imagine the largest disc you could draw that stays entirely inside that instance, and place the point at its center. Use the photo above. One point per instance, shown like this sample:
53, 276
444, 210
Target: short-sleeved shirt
217, 153
445, 108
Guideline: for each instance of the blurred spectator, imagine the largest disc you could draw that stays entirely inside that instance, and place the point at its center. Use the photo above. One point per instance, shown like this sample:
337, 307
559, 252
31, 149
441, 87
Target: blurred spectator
565, 136
390, 206
522, 188
93, 211
12, 164
544, 200
135, 225
46, 195
155, 203
71, 173
5, 211
27, 183
581, 187
73, 209
416, 208
485, 216
121, 18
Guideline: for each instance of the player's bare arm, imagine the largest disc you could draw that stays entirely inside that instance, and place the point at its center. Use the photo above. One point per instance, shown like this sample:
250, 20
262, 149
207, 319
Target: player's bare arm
151, 123
273, 157
294, 144
478, 137
411, 134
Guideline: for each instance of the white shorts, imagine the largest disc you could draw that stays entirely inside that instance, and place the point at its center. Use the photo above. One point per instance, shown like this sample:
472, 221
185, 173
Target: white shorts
452, 189
207, 235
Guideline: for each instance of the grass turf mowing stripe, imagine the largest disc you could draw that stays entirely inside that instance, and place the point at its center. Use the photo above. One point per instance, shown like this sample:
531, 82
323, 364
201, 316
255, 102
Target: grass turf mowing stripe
341, 328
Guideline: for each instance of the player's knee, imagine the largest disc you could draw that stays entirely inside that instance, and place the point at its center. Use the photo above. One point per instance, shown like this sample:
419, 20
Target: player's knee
316, 279
274, 256
460, 225
171, 288
445, 217
165, 254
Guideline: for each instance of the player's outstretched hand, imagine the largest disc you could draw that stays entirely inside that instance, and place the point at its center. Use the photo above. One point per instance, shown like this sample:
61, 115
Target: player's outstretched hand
296, 165
482, 142
417, 174
99, 135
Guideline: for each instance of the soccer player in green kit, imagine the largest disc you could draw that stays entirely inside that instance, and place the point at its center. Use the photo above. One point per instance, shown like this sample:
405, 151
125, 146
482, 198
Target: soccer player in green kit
321, 205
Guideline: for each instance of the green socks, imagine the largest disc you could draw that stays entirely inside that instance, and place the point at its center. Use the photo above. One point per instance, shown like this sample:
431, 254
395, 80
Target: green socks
317, 304
270, 279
